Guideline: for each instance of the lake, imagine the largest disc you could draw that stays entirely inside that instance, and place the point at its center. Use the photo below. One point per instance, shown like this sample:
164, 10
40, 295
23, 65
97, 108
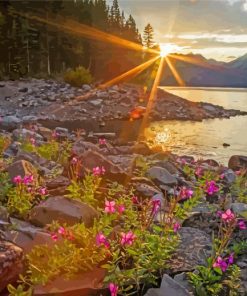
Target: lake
204, 139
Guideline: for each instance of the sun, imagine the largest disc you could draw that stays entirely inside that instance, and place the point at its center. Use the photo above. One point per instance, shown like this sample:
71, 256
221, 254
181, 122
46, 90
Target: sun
166, 49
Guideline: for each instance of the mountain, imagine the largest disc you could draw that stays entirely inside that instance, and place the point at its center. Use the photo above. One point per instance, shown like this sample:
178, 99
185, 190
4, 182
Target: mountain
196, 70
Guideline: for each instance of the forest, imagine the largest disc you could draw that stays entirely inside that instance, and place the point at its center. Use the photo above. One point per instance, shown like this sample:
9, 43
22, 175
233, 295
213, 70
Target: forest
36, 49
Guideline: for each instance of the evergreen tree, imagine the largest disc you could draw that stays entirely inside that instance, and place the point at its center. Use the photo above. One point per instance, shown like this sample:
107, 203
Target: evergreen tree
148, 36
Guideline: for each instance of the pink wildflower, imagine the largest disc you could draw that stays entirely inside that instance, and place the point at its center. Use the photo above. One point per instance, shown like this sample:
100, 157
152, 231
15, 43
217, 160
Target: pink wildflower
101, 240
238, 173
221, 264
228, 216
102, 141
74, 160
222, 176
185, 193
17, 179
127, 238
211, 187
241, 225
97, 171
176, 227
198, 171
102, 170
28, 179
156, 206
43, 191
113, 289
54, 236
61, 230
231, 259
121, 209
32, 141
110, 206
135, 199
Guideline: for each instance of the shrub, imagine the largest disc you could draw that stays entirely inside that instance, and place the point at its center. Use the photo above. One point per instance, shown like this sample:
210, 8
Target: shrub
78, 76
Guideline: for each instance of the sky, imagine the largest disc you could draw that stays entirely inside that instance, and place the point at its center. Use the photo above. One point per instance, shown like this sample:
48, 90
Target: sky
214, 28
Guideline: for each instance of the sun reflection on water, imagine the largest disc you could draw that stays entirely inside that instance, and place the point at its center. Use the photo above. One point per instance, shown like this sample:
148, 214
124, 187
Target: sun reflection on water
158, 136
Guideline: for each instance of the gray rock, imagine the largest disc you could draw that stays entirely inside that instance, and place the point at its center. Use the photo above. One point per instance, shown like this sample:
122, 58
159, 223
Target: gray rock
194, 248
11, 263
171, 287
23, 89
4, 216
229, 176
161, 176
25, 134
239, 207
10, 122
182, 279
96, 102
86, 87
63, 210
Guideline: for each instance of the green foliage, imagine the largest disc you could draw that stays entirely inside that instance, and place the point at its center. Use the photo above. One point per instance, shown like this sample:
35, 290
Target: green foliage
142, 166
78, 77
182, 210
239, 188
52, 150
66, 258
232, 280
20, 200
4, 143
19, 291
5, 186
84, 190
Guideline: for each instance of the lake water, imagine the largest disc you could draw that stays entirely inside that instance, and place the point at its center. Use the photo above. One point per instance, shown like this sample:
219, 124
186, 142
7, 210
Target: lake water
204, 139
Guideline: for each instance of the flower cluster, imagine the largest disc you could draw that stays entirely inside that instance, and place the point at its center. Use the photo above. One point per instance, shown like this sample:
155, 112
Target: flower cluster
211, 187
185, 193
111, 207
102, 141
113, 289
26, 180
65, 233
98, 171
223, 264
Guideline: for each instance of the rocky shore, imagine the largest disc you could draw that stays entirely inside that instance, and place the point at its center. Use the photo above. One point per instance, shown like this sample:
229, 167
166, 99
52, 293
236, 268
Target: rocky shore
48, 101
126, 164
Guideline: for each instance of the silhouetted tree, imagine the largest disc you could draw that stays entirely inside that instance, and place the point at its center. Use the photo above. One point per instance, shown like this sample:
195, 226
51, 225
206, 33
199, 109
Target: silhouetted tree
148, 36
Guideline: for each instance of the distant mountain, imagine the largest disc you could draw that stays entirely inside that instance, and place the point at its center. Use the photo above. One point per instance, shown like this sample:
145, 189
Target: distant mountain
196, 70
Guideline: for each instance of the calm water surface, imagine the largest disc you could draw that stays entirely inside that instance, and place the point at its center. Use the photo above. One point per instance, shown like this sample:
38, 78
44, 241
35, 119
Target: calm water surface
204, 139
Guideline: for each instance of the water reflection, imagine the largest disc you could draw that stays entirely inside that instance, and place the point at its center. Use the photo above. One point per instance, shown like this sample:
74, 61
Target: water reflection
204, 139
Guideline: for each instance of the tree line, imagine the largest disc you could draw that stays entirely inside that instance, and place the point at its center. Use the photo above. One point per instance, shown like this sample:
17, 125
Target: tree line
29, 48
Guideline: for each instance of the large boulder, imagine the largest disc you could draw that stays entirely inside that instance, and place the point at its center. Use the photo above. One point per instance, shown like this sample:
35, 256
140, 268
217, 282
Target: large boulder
87, 283
195, 246
161, 176
22, 168
11, 263
237, 162
9, 123
92, 159
63, 210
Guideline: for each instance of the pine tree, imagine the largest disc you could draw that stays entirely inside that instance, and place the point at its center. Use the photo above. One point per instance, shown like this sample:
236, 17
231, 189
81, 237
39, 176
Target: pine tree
148, 36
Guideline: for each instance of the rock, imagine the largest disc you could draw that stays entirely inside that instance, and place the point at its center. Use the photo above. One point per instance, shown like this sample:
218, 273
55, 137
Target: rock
45, 132
58, 186
22, 168
144, 187
237, 162
242, 263
61, 132
169, 166
87, 283
239, 208
12, 150
194, 248
161, 176
96, 102
63, 210
11, 263
81, 146
9, 123
229, 176
171, 287
92, 159
182, 279
226, 145
141, 148
4, 216
25, 134
26, 236
29, 119
86, 87
23, 89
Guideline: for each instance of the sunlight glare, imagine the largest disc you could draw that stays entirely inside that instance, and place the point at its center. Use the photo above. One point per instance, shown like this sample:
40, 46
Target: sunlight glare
166, 49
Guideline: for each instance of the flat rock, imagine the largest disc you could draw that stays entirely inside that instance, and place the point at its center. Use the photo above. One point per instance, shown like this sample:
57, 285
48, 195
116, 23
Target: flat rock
194, 248
9, 123
11, 263
63, 210
161, 176
88, 283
